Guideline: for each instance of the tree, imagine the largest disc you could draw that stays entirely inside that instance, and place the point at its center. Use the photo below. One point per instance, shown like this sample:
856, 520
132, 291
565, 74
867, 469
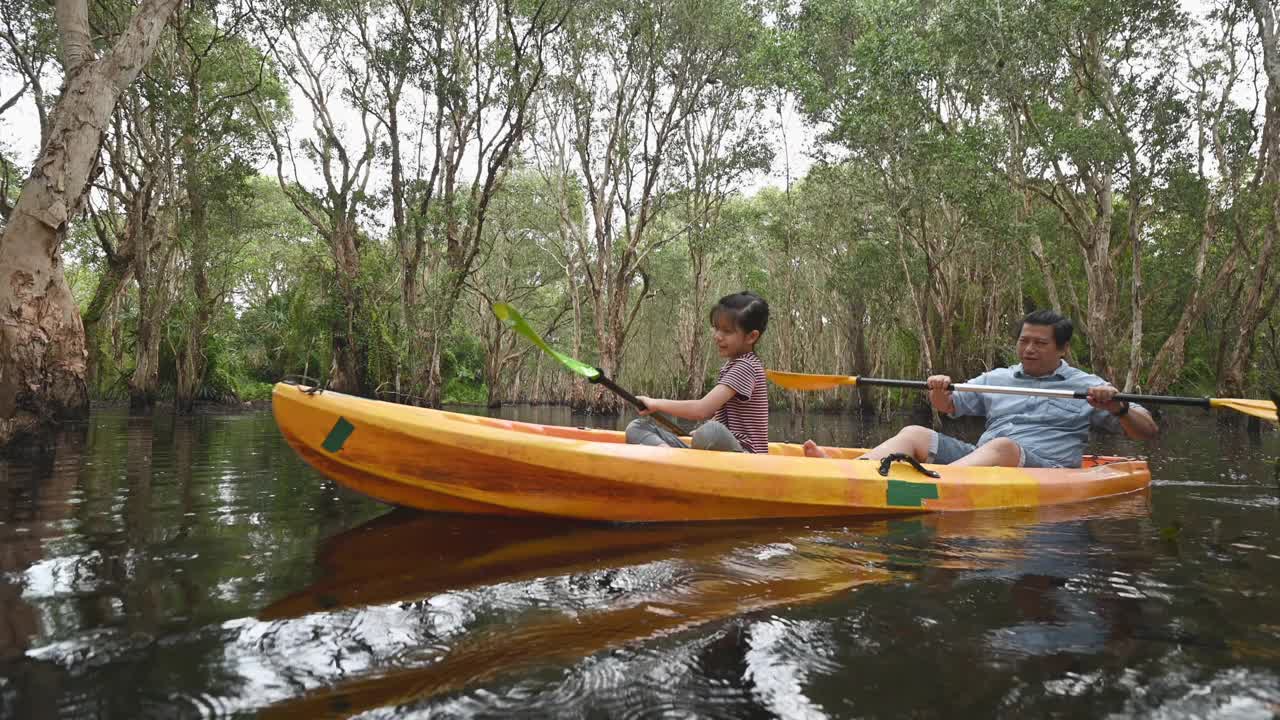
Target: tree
1213, 196
722, 143
515, 267
630, 76
483, 62
308, 44
219, 78
884, 79
42, 352
1258, 290
1092, 86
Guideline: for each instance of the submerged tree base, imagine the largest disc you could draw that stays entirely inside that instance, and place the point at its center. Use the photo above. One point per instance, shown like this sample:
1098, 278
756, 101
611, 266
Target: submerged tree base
40, 387
26, 436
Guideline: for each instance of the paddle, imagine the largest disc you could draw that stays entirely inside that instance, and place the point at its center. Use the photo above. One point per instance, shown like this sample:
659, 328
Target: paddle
1264, 409
515, 321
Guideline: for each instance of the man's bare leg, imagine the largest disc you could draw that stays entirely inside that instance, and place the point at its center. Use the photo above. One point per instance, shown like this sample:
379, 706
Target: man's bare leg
913, 439
1001, 452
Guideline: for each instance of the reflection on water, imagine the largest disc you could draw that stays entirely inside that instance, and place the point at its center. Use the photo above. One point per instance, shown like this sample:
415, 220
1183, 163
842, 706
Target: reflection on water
195, 567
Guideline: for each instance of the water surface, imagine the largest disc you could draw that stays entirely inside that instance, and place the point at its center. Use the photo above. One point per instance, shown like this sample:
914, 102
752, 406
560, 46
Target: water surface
195, 567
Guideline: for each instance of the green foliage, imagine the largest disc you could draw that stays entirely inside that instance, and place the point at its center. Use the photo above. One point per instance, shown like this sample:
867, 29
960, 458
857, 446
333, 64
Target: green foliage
462, 368
956, 137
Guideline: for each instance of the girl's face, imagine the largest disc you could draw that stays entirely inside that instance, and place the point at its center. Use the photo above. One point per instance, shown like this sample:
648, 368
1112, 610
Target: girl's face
730, 339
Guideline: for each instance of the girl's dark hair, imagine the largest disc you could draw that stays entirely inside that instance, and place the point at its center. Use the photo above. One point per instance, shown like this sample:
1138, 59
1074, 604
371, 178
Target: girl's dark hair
748, 310
1062, 327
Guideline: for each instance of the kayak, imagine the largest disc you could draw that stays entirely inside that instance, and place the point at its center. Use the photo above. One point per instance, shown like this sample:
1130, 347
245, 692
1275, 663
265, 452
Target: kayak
453, 462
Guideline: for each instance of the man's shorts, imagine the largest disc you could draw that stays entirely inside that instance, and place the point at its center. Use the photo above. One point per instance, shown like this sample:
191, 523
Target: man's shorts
944, 450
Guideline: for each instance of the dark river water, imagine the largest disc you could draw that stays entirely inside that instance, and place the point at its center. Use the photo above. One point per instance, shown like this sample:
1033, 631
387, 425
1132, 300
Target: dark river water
156, 567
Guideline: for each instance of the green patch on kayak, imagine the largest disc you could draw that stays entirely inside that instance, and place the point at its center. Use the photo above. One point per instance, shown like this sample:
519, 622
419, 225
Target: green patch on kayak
338, 435
899, 493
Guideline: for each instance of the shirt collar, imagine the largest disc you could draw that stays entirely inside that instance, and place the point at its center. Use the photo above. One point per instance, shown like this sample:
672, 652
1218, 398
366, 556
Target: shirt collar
1059, 373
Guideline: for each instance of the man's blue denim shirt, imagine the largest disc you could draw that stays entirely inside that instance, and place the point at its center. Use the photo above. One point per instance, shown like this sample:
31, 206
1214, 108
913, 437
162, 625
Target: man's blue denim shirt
1056, 429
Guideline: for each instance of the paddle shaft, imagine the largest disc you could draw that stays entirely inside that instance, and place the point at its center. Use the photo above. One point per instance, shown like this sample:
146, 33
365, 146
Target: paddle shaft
657, 417
1037, 392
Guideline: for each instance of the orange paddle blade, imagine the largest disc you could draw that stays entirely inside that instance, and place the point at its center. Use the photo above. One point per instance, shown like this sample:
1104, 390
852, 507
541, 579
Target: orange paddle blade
1264, 409
803, 381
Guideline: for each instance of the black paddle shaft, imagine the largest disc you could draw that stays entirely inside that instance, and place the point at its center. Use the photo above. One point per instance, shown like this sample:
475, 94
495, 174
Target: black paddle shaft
1078, 394
604, 380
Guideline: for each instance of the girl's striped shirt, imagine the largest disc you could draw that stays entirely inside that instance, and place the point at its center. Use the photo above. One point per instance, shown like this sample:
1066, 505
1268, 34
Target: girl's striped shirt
746, 415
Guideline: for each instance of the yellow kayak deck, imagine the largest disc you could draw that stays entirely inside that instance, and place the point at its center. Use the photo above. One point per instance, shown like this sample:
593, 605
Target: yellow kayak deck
451, 462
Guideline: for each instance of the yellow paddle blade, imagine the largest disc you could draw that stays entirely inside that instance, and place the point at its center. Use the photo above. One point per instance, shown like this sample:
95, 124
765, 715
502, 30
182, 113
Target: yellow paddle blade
803, 381
1264, 409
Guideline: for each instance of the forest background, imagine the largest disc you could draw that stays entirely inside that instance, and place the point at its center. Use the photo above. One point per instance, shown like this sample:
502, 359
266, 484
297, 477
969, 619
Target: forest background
340, 188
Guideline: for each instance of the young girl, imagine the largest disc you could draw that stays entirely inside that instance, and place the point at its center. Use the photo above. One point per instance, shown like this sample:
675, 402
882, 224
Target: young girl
738, 404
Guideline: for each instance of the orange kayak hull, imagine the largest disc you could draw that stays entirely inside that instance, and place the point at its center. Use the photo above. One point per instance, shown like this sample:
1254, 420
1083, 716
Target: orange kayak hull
451, 462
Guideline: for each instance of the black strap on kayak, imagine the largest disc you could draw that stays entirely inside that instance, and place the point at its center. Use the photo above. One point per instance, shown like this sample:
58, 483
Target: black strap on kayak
906, 458
314, 386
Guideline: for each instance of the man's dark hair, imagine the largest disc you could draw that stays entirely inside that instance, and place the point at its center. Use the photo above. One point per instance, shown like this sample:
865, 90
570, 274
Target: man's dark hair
748, 310
1062, 327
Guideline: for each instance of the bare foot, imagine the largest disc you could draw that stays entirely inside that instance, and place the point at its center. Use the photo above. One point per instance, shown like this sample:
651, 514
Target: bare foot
811, 449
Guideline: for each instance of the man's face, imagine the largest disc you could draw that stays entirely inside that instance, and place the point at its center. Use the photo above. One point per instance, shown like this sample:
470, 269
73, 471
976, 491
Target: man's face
1038, 350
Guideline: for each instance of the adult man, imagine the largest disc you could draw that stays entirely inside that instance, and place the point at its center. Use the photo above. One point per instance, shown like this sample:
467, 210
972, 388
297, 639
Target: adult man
1022, 431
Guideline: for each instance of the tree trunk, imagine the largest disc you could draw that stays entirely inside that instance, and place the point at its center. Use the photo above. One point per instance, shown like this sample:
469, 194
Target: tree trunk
145, 382
192, 360
493, 394
921, 312
1017, 171
435, 378
349, 369
150, 270
694, 356
1258, 300
42, 349
598, 399
1136, 297
1169, 359
110, 287
857, 328
1101, 295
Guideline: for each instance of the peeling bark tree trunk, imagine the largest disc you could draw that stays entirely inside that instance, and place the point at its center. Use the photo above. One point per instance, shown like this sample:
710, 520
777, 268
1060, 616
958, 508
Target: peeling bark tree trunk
192, 361
110, 287
857, 328
1018, 174
693, 330
350, 359
1101, 296
42, 349
144, 383
1136, 298
149, 238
